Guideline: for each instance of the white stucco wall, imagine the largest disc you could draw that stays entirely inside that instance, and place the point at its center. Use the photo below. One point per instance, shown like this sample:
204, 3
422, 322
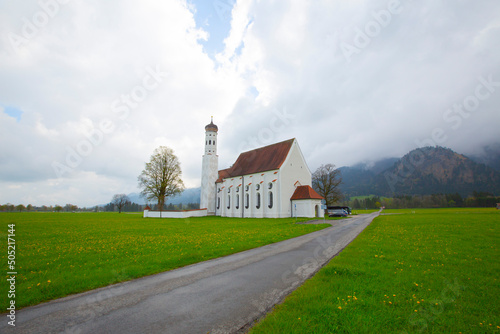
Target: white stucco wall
209, 172
175, 214
293, 169
230, 186
307, 208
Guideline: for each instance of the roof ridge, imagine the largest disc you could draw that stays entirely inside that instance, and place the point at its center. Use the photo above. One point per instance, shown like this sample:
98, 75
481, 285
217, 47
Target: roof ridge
262, 147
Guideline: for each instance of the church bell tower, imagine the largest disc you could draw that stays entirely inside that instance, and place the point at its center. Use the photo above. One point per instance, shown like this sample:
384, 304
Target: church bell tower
209, 169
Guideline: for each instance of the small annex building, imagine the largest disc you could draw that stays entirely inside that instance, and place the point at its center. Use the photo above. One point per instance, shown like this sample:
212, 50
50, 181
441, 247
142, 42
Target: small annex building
268, 182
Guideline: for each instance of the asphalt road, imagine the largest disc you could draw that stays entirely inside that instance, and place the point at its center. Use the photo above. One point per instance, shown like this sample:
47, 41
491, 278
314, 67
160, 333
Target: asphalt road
225, 295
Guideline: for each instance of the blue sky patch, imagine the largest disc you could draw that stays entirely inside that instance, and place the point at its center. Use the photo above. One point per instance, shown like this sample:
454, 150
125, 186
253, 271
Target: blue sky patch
215, 18
13, 112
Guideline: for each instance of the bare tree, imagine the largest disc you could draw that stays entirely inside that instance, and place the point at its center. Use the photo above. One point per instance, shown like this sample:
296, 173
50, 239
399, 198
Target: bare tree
161, 178
326, 180
119, 200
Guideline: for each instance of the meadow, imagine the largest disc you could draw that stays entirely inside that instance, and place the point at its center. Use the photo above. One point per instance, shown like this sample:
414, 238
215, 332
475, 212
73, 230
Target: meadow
410, 271
58, 254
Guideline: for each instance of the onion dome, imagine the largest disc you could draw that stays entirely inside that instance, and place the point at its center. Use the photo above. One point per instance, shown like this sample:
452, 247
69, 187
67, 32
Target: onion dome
211, 126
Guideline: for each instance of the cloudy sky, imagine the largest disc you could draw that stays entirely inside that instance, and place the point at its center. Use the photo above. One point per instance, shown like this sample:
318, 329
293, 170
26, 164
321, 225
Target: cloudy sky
88, 89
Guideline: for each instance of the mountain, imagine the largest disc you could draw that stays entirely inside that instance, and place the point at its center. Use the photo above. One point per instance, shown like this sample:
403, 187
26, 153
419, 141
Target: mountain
358, 180
423, 171
190, 195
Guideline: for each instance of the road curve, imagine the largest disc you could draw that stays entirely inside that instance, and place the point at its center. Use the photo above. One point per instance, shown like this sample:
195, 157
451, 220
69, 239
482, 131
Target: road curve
225, 295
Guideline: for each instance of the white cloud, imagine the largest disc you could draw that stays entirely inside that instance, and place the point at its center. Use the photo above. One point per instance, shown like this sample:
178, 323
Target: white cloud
381, 100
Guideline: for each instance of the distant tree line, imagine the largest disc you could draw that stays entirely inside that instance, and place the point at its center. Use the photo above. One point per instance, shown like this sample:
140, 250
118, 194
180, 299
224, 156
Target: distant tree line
110, 207
477, 199
44, 208
127, 207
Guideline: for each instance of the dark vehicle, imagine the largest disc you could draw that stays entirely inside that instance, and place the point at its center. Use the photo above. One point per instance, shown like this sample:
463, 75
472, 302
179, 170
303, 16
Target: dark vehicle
345, 208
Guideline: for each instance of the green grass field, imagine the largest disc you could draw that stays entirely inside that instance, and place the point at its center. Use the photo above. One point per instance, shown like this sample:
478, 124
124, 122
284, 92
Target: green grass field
412, 271
363, 211
64, 253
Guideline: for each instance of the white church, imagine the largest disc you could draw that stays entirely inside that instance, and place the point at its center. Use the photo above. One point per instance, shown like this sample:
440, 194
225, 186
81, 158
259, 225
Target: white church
272, 182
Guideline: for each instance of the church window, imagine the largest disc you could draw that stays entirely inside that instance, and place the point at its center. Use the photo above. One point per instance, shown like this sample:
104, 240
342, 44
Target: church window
210, 142
228, 201
258, 201
270, 185
270, 200
237, 189
247, 201
237, 204
247, 187
218, 203
257, 186
228, 190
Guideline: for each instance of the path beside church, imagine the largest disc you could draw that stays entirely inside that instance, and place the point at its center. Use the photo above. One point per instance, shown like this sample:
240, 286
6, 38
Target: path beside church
224, 295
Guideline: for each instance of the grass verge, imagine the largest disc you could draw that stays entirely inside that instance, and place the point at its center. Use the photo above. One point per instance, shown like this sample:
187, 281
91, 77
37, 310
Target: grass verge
434, 271
58, 254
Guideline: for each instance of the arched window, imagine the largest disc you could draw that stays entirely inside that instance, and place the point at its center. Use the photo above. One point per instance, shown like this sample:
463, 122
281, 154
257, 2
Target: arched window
257, 186
209, 142
258, 201
237, 201
247, 187
218, 203
247, 201
228, 201
270, 185
214, 142
270, 200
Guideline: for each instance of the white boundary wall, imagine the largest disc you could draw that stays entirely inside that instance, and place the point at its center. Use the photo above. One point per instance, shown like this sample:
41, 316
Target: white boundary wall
175, 214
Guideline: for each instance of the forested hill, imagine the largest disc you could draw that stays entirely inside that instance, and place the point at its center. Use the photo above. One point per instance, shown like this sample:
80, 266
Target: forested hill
424, 171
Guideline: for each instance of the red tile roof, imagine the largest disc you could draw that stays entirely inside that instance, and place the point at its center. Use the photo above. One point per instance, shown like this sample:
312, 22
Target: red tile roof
259, 160
223, 173
305, 192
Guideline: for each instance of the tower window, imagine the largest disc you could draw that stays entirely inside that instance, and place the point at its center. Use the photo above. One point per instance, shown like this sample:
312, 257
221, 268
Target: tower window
214, 142
209, 142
